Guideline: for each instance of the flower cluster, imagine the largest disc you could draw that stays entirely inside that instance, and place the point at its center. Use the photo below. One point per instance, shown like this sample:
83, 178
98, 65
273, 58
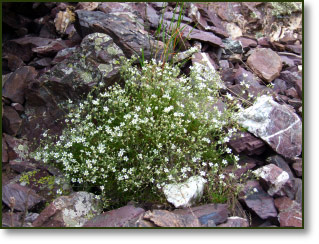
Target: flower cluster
161, 127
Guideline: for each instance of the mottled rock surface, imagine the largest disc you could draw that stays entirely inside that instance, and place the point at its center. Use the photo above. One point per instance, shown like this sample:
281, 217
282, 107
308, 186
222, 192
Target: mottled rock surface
235, 221
69, 211
275, 124
185, 194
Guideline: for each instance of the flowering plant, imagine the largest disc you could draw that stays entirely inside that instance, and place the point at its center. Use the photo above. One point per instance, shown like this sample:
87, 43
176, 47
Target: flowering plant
127, 142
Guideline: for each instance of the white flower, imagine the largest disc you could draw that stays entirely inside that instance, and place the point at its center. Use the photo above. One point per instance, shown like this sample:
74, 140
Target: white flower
106, 109
221, 176
125, 158
102, 188
97, 197
148, 109
202, 173
59, 191
255, 189
224, 162
228, 150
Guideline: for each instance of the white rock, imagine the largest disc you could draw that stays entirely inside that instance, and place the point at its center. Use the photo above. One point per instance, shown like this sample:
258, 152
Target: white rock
185, 194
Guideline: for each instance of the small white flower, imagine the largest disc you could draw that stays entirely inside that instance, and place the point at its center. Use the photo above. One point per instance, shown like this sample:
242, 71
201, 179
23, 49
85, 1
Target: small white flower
102, 188
59, 191
221, 176
106, 109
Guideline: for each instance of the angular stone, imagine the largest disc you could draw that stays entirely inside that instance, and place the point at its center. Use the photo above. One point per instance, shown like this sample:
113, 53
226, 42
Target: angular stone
279, 86
124, 32
235, 221
22, 47
11, 121
16, 83
290, 212
204, 59
152, 16
12, 62
257, 200
247, 43
291, 78
275, 124
208, 212
245, 142
297, 166
164, 218
63, 54
22, 166
51, 48
292, 189
281, 163
90, 6
18, 107
197, 18
185, 194
116, 218
17, 148
4, 151
265, 63
294, 48
233, 31
25, 198
274, 177
232, 46
298, 86
69, 211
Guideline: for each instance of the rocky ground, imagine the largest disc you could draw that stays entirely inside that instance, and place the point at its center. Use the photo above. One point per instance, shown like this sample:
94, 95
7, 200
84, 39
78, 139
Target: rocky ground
47, 59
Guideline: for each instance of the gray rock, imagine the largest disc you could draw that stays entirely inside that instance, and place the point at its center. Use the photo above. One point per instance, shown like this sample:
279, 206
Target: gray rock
69, 211
275, 124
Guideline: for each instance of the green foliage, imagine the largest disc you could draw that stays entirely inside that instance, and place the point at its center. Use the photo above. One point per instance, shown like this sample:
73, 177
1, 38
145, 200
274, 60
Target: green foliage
285, 8
126, 143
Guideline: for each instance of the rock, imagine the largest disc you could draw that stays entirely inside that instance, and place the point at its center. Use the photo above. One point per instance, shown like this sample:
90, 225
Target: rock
287, 61
22, 47
11, 121
122, 30
63, 54
291, 92
298, 86
292, 189
4, 151
197, 18
208, 212
25, 198
90, 6
233, 30
18, 107
274, 177
218, 32
247, 43
275, 124
281, 163
164, 218
294, 48
17, 148
186, 193
264, 42
13, 220
204, 59
279, 86
22, 166
62, 20
69, 211
235, 221
291, 78
152, 16
52, 48
265, 63
232, 46
290, 212
116, 218
257, 200
109, 7
16, 83
245, 142
297, 166
12, 62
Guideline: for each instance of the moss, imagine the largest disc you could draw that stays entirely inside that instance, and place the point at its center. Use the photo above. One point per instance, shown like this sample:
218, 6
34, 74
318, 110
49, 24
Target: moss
285, 8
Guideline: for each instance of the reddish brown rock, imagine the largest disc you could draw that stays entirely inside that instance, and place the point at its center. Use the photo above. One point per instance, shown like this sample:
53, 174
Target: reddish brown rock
257, 200
265, 63
281, 163
22, 166
247, 143
298, 86
12, 62
264, 42
294, 48
11, 121
297, 166
4, 152
164, 218
51, 48
216, 212
18, 107
16, 83
290, 212
247, 43
25, 198
87, 5
116, 218
235, 221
